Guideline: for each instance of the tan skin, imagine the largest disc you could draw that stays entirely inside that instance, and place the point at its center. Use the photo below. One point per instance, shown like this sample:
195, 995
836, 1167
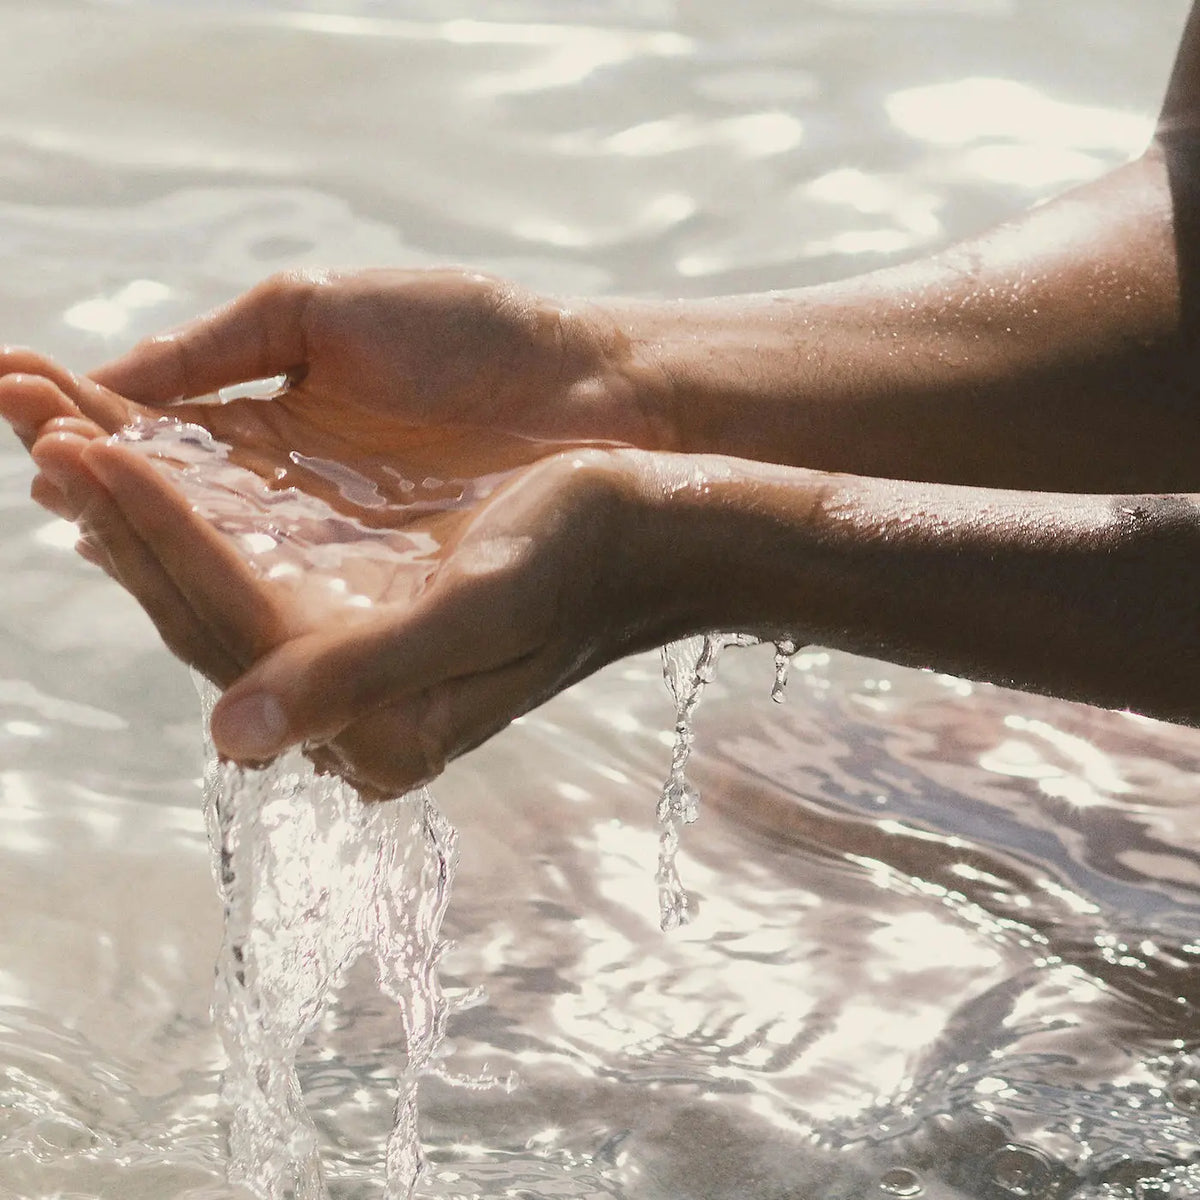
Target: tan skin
1016, 421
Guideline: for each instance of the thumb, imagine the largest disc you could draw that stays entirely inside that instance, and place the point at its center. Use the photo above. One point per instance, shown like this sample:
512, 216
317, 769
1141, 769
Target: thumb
257, 335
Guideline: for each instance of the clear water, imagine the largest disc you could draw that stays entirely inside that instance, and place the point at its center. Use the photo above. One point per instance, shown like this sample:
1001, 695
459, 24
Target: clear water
340, 553
941, 936
313, 882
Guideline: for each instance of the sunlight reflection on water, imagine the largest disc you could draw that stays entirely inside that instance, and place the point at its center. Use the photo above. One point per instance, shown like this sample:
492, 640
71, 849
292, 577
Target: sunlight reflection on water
939, 929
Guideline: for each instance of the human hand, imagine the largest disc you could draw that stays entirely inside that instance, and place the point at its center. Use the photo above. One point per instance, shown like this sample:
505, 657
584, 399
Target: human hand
537, 588
378, 474
397, 349
426, 655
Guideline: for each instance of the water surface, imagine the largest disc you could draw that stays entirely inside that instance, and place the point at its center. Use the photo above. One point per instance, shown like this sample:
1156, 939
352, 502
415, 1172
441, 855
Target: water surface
945, 936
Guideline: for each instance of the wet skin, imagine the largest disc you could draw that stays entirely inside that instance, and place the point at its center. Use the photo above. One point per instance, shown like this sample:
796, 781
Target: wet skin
218, 613
985, 462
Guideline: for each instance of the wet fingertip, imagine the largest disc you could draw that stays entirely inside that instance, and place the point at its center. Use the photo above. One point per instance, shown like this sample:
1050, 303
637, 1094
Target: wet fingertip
49, 449
24, 360
10, 354
51, 497
52, 473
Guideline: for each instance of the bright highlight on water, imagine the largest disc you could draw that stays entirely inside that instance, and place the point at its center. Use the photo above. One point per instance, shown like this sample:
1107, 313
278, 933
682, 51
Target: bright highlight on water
942, 936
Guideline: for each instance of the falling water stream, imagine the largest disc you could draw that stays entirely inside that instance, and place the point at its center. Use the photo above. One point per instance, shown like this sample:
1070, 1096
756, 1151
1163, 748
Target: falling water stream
940, 937
314, 879
311, 876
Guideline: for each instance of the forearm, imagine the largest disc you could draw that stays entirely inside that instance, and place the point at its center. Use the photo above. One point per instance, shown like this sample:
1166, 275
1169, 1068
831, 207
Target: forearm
1093, 598
1045, 354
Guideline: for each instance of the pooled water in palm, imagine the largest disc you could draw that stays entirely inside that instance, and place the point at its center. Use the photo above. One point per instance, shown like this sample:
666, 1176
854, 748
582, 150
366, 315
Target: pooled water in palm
371, 548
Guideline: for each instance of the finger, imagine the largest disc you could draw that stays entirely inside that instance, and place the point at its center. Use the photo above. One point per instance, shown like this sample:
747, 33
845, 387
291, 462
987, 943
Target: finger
20, 360
404, 745
28, 402
255, 336
110, 410
81, 427
35, 404
110, 542
52, 498
201, 562
92, 552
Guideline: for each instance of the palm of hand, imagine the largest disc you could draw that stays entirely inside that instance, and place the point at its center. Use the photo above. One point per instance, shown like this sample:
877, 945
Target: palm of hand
325, 481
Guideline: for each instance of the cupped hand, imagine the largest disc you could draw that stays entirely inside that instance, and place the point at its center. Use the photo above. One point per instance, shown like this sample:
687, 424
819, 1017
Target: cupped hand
535, 590
413, 639
396, 348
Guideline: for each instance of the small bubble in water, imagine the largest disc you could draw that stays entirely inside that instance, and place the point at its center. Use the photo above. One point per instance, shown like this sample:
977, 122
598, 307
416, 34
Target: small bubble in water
1152, 1189
1019, 1172
1185, 1093
900, 1181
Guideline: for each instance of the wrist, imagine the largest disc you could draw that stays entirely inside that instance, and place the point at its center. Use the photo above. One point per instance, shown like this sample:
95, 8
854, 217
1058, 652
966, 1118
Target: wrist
709, 542
612, 368
737, 375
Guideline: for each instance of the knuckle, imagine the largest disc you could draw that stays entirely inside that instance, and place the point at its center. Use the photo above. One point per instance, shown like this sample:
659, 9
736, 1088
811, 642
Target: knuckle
291, 286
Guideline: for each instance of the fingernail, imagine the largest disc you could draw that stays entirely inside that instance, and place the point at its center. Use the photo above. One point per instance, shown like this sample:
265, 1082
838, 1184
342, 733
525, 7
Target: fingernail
253, 727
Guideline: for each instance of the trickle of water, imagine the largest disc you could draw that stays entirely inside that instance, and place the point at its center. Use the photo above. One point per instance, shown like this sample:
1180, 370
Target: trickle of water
312, 879
900, 1181
784, 649
688, 666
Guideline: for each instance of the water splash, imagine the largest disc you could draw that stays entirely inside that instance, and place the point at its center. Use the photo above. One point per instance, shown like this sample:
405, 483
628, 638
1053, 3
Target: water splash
313, 879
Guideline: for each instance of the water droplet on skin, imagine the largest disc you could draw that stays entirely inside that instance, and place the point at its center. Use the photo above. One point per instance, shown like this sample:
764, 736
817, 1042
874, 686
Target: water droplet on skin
900, 1181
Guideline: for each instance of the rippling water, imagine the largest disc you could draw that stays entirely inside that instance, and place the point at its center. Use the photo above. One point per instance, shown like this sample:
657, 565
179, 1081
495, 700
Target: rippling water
945, 937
